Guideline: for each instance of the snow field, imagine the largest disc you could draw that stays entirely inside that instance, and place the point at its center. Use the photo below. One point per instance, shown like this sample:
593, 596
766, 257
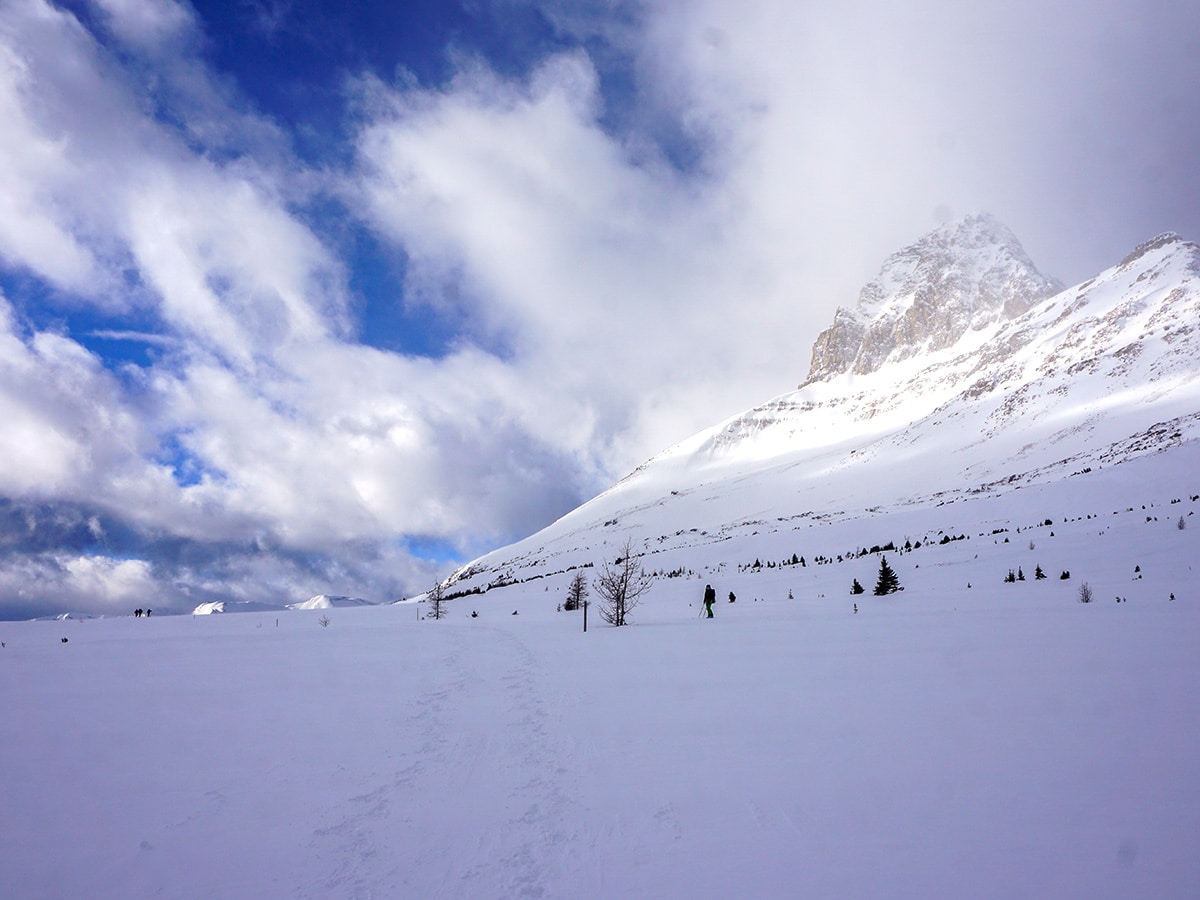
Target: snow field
1000, 741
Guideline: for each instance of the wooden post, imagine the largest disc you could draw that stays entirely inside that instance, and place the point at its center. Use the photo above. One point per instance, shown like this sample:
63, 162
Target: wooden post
585, 606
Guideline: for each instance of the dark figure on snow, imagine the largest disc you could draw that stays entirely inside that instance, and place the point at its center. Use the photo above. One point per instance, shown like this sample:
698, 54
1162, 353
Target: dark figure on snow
137, 613
710, 597
731, 597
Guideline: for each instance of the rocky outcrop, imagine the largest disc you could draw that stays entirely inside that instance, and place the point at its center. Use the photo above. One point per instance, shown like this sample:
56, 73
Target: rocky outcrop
962, 276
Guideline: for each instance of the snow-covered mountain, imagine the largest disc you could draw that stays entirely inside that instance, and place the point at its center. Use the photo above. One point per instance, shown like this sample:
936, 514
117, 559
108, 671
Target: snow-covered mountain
961, 375
962, 277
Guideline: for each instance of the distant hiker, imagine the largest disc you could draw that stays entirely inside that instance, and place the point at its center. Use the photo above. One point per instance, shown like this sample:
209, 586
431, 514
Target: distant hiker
148, 612
710, 597
474, 614
731, 597
137, 613
856, 609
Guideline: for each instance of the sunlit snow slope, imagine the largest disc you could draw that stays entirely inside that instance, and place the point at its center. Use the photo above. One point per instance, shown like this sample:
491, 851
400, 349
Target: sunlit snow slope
1095, 376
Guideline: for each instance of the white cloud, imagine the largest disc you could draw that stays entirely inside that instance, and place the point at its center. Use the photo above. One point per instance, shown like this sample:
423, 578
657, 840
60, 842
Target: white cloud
64, 420
32, 228
606, 276
233, 270
147, 23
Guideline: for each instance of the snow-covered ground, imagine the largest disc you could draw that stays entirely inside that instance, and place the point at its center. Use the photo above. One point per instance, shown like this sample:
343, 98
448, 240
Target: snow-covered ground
996, 740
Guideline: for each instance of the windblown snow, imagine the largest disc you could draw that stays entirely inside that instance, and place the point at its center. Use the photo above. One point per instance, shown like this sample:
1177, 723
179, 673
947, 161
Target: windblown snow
979, 733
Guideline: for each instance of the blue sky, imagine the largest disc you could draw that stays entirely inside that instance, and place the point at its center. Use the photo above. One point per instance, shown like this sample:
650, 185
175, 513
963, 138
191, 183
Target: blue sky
302, 297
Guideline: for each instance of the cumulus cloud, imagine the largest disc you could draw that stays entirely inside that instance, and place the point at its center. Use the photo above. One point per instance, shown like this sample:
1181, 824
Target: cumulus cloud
63, 415
595, 270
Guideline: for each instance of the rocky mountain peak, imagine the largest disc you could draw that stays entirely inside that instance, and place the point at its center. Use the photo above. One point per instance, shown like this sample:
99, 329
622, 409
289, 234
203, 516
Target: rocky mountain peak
965, 275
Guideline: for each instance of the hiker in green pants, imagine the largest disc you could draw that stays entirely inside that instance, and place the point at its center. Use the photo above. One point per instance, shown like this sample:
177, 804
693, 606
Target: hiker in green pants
710, 597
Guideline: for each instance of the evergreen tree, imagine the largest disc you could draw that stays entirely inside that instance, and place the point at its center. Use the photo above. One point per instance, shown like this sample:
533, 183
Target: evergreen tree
1038, 574
577, 591
856, 588
888, 582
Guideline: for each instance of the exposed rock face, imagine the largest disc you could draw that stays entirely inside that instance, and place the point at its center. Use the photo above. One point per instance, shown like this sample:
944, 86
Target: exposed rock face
965, 275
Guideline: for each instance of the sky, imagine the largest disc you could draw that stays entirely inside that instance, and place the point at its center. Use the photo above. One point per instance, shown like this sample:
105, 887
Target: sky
306, 297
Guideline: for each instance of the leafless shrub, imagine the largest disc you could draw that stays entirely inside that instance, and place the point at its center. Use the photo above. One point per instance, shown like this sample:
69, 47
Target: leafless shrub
437, 601
620, 586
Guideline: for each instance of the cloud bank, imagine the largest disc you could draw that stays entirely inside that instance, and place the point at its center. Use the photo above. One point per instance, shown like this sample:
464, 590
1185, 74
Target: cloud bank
211, 390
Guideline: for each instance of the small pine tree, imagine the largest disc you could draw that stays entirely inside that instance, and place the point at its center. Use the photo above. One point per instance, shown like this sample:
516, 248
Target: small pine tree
1020, 574
887, 583
1038, 574
577, 591
857, 588
1011, 577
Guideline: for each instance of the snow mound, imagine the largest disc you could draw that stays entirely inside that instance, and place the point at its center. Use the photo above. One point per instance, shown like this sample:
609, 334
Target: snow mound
324, 601
208, 609
233, 606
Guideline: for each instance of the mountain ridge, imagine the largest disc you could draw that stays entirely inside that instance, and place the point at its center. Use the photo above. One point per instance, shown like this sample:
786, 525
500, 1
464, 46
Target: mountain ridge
1105, 372
962, 276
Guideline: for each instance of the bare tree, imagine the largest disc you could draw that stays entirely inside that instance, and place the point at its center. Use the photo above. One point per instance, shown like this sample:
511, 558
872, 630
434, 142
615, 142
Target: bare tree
437, 601
620, 586
577, 591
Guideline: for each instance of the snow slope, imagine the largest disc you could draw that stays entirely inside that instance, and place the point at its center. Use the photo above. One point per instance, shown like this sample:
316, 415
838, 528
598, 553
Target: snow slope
324, 601
993, 741
1098, 375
